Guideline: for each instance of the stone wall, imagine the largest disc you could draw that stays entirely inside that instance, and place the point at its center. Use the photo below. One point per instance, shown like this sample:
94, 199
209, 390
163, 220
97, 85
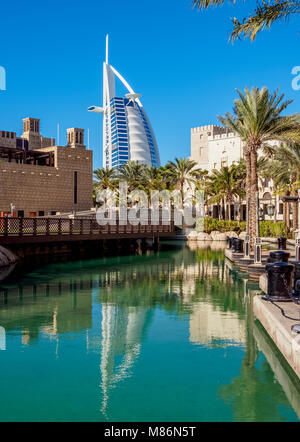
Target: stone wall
7, 257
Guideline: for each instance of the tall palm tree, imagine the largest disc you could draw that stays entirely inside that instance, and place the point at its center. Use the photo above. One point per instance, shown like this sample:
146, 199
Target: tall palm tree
264, 15
257, 120
284, 168
183, 171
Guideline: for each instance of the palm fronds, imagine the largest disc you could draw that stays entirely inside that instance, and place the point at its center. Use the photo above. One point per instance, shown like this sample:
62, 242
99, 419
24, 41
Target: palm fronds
263, 17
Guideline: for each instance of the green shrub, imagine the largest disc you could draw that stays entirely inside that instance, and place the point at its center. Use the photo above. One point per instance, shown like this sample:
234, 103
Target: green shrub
267, 228
273, 230
221, 225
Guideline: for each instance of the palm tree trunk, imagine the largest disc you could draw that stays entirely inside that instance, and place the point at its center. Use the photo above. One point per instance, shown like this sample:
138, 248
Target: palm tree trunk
240, 210
288, 216
253, 215
248, 184
229, 208
284, 213
287, 212
295, 212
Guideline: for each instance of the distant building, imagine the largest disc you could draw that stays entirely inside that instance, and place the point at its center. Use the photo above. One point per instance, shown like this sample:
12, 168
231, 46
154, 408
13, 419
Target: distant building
127, 131
214, 147
38, 178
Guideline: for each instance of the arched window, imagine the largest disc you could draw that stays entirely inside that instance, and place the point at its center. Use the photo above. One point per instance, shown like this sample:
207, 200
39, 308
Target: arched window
267, 196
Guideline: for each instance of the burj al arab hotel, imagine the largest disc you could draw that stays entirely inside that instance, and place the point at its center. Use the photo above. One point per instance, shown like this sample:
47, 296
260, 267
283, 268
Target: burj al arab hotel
127, 131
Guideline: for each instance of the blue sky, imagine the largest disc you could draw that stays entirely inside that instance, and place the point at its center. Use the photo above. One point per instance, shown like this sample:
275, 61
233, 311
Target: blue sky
179, 59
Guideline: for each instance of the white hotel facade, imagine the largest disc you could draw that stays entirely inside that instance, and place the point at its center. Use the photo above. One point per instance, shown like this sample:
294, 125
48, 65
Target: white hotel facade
127, 131
213, 147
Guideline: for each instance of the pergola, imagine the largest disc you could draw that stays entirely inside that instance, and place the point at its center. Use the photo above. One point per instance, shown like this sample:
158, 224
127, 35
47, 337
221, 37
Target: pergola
24, 156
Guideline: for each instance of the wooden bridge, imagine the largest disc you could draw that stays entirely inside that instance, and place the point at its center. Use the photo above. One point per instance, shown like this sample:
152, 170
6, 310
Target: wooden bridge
46, 230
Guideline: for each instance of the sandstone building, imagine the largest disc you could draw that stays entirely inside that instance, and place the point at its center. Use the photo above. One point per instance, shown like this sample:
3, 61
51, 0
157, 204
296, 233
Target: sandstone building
214, 147
38, 178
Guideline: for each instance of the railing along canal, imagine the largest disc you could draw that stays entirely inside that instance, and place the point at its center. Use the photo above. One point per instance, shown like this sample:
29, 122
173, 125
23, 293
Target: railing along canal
14, 229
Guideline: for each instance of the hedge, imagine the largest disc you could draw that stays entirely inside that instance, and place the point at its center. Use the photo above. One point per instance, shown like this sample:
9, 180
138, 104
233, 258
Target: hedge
267, 228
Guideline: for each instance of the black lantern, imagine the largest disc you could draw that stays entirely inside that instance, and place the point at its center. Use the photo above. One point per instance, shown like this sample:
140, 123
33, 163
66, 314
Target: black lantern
261, 213
271, 209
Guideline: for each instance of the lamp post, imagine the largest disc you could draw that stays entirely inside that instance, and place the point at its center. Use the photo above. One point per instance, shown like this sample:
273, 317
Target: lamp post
288, 199
12, 208
261, 214
257, 240
271, 209
247, 237
297, 251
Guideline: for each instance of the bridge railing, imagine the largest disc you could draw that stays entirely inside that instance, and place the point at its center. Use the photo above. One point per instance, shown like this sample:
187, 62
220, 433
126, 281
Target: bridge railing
37, 227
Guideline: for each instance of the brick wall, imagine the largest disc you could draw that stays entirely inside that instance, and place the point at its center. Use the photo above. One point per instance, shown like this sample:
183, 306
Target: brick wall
41, 188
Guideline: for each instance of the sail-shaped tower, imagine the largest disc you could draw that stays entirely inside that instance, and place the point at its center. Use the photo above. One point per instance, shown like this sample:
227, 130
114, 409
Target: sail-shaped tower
127, 131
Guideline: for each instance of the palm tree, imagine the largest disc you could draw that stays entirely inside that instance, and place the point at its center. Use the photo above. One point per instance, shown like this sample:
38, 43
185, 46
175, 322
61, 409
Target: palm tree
155, 178
105, 178
182, 171
202, 182
240, 176
257, 120
213, 194
133, 173
227, 186
284, 168
264, 16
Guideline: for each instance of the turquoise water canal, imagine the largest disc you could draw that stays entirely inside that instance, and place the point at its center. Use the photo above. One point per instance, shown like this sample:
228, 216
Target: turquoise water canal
167, 336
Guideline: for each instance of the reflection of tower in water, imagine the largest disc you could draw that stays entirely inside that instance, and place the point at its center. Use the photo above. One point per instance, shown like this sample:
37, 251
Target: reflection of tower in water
123, 329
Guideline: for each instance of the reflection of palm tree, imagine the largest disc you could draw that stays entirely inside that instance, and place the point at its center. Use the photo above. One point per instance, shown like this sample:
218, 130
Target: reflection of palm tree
249, 394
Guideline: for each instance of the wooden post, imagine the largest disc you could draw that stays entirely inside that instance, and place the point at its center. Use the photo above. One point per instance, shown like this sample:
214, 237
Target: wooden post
34, 226
47, 226
59, 226
21, 226
5, 220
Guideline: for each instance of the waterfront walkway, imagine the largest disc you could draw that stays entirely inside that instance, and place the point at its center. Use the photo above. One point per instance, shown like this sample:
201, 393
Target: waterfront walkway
247, 264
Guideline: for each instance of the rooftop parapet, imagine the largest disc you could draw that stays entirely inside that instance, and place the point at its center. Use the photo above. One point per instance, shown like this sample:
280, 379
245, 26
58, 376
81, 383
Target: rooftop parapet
225, 136
209, 128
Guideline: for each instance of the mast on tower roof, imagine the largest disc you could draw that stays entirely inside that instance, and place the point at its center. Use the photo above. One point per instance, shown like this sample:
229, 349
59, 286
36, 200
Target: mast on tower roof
106, 58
